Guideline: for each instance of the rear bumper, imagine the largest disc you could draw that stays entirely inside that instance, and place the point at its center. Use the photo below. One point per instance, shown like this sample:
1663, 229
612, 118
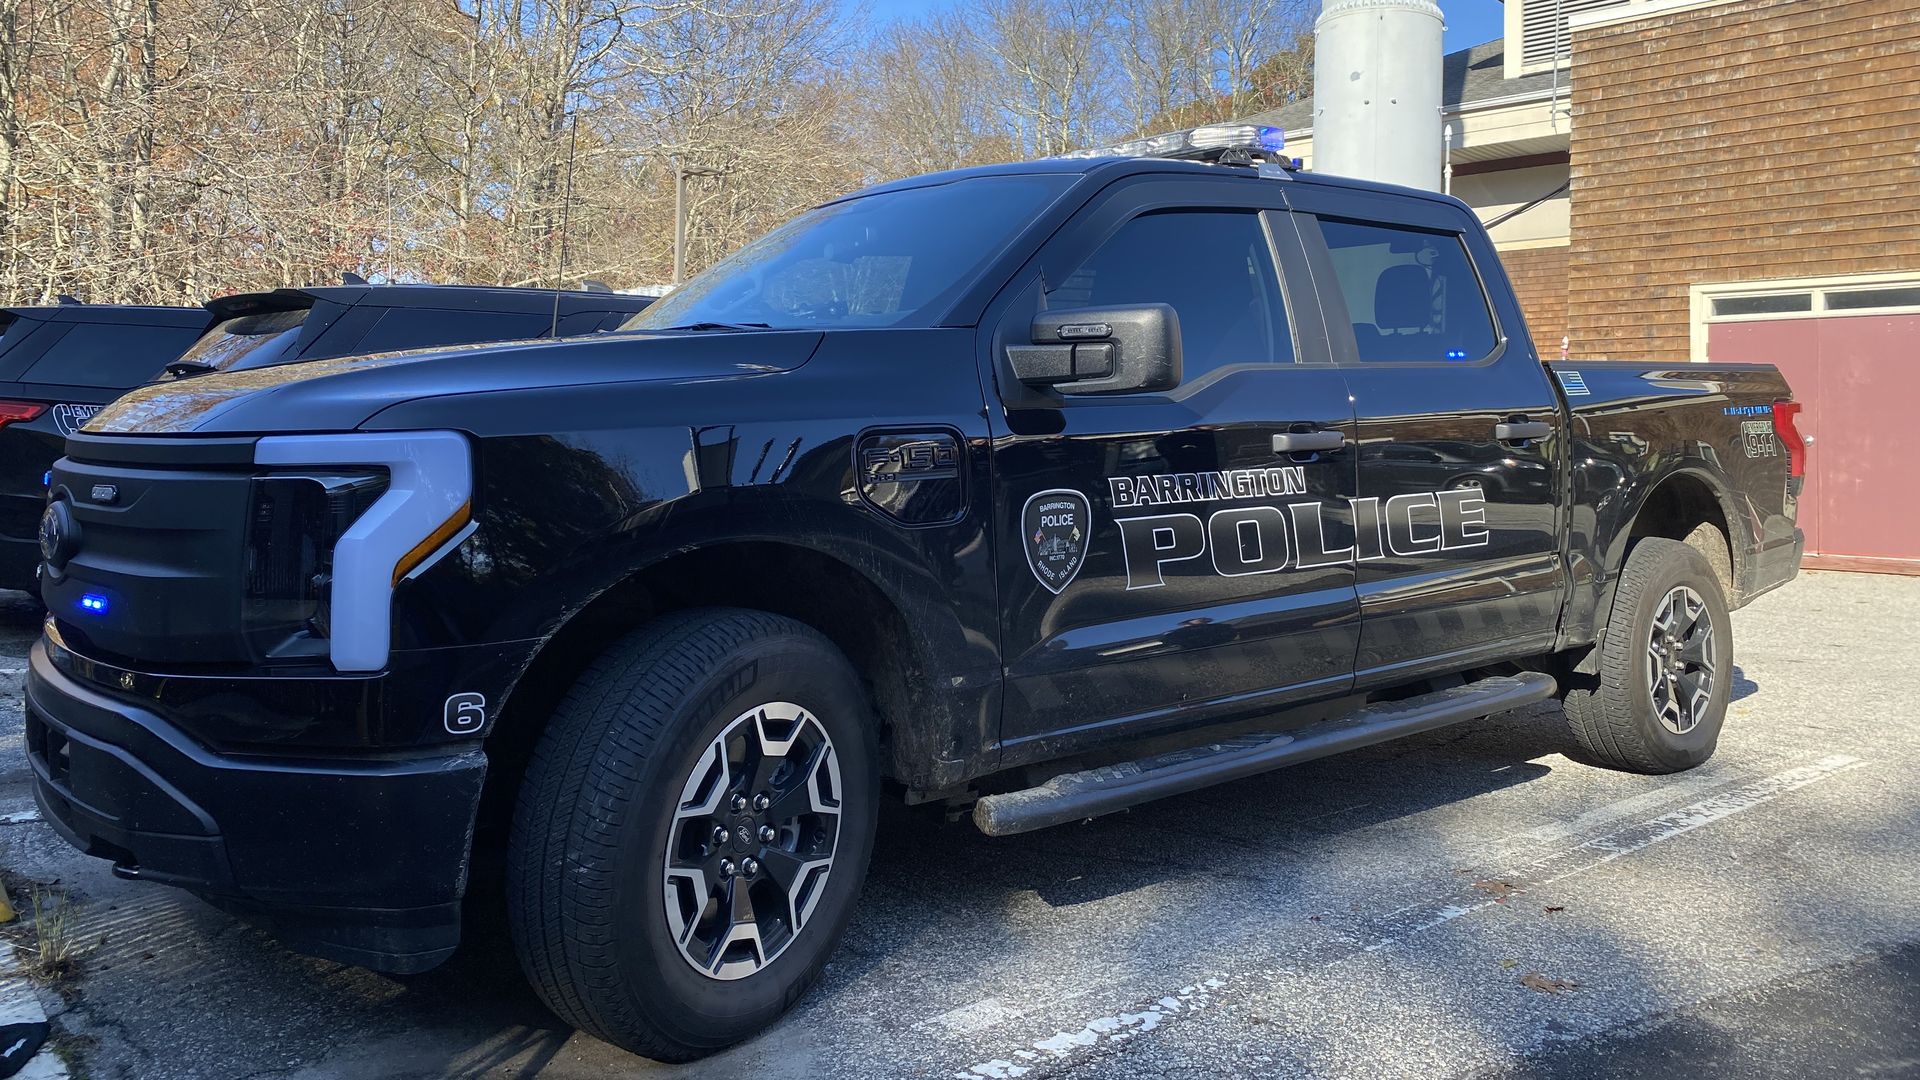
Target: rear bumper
1771, 567
361, 860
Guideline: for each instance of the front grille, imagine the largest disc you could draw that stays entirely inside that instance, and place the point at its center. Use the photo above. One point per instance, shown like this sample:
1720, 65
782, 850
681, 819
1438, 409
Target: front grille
49, 748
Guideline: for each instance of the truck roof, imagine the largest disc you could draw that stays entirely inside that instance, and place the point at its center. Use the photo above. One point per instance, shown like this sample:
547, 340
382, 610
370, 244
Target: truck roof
1111, 168
141, 314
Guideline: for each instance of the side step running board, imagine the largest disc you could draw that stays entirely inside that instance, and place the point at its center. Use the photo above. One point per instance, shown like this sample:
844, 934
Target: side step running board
1081, 795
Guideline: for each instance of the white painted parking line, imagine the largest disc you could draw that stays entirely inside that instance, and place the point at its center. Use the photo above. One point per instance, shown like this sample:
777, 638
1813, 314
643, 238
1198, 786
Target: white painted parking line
20, 1004
1399, 925
1607, 847
20, 817
1118, 1028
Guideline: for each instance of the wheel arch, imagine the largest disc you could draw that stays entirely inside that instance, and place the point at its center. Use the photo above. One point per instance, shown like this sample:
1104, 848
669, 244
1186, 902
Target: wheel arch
1684, 506
1689, 504
876, 629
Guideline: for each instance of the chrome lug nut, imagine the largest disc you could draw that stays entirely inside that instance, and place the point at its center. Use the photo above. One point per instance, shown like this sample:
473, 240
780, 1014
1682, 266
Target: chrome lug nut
749, 867
719, 835
761, 802
739, 803
726, 868
767, 834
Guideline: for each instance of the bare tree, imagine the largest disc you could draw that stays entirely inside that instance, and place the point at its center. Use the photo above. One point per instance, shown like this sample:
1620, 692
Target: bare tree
168, 150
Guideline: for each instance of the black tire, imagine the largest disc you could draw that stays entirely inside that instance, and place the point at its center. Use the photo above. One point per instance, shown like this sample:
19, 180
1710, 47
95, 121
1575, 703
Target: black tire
1617, 716
587, 884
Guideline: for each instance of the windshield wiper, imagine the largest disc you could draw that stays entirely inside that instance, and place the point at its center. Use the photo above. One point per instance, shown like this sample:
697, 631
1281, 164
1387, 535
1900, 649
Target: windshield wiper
721, 326
180, 369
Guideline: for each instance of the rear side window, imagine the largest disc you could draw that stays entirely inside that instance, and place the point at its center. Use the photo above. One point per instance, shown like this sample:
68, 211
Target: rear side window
247, 341
1412, 295
110, 355
1213, 266
425, 328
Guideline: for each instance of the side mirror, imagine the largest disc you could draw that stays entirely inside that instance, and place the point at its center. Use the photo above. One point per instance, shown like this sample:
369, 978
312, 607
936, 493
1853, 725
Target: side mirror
1104, 350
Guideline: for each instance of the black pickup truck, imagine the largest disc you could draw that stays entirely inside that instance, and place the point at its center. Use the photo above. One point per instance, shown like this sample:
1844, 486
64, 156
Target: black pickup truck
1039, 491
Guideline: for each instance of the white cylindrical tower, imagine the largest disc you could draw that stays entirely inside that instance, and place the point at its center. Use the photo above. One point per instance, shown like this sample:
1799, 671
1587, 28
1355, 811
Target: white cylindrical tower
1376, 91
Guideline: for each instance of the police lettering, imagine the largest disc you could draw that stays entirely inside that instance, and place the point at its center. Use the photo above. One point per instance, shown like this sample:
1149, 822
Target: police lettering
1267, 539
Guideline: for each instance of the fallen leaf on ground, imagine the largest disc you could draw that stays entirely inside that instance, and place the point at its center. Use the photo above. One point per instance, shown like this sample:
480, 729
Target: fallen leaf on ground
1500, 889
1551, 908
1533, 980
1509, 964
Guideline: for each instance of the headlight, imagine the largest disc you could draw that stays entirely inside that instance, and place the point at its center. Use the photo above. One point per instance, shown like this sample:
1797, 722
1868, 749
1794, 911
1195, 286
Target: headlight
365, 511
293, 523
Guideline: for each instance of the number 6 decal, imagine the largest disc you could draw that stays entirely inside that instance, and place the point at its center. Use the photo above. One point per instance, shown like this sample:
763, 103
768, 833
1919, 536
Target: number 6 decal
465, 713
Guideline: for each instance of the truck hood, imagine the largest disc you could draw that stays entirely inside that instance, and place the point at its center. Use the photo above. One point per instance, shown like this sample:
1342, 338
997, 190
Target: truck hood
343, 393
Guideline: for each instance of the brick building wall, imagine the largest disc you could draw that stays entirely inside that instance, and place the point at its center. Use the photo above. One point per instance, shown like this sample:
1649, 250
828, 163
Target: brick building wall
1539, 277
1737, 142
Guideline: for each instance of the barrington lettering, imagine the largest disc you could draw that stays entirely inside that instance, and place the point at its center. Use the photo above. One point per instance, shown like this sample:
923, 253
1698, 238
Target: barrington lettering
1167, 488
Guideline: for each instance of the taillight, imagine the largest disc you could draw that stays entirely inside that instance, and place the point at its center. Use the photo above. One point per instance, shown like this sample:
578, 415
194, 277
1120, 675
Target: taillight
1786, 425
11, 411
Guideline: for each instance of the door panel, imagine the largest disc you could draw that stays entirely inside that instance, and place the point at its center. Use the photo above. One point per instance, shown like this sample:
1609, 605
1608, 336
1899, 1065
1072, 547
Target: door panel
1459, 529
1206, 577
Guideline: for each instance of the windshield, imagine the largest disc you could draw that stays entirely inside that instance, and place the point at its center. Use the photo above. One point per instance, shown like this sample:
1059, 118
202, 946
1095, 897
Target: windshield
878, 260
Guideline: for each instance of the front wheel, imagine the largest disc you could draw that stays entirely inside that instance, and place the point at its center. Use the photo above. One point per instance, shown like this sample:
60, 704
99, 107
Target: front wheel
1665, 668
693, 831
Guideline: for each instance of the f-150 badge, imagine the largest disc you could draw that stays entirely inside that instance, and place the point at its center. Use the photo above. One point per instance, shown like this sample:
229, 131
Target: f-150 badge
1054, 525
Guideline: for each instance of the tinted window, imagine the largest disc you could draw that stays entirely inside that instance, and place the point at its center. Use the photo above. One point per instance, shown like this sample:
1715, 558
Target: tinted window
877, 260
247, 341
1412, 295
109, 355
1213, 266
425, 328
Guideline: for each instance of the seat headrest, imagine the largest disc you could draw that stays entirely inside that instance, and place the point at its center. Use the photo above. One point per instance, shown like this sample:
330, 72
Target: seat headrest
1403, 298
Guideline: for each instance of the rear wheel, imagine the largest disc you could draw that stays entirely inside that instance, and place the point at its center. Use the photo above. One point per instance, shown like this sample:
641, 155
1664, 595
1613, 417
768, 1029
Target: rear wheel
1665, 668
693, 831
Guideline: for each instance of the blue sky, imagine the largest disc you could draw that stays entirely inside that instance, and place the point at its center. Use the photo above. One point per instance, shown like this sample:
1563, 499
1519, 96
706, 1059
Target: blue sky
1469, 22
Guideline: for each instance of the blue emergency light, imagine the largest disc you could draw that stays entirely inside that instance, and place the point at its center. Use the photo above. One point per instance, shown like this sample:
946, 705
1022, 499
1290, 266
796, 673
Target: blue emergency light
94, 603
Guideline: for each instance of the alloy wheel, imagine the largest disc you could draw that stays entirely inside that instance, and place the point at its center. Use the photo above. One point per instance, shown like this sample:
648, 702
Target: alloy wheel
1681, 660
752, 840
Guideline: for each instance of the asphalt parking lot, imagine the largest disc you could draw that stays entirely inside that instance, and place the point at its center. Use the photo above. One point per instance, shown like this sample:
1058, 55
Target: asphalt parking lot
1468, 903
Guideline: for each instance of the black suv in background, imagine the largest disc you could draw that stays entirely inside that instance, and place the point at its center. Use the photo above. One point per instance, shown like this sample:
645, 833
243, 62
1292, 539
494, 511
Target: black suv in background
60, 365
286, 325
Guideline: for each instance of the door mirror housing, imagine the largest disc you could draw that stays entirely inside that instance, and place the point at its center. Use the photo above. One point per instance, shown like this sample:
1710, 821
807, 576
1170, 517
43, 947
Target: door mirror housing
1101, 350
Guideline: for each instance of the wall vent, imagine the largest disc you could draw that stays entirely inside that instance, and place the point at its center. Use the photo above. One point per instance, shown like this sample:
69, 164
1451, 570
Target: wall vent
1543, 29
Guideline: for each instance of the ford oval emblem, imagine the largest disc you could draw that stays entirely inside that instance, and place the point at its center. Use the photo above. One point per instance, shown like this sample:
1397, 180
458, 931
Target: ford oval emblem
59, 534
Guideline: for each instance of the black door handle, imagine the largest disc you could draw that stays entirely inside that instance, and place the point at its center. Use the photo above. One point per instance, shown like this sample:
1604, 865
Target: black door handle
1305, 442
1522, 429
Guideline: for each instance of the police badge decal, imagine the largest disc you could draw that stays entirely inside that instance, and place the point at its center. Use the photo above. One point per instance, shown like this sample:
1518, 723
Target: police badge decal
1053, 527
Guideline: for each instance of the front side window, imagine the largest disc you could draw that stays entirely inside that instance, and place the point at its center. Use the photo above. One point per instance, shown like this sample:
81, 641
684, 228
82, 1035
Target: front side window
1214, 267
1412, 295
877, 260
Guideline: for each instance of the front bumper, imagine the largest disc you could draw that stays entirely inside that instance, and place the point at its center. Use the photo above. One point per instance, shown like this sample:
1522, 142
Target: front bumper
359, 859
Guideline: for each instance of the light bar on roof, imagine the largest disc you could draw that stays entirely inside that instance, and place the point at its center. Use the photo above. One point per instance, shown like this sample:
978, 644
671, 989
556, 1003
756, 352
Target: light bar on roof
1255, 140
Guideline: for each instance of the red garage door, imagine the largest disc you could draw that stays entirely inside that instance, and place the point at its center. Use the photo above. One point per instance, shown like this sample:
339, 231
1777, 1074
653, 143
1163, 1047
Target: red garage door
1858, 379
